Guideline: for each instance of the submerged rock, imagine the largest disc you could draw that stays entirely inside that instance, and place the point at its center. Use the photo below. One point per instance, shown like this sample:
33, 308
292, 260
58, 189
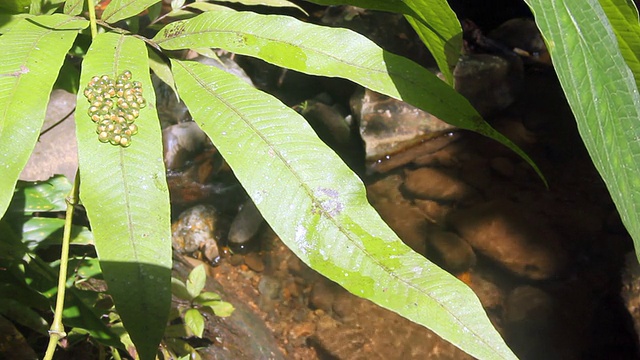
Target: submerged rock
194, 233
510, 235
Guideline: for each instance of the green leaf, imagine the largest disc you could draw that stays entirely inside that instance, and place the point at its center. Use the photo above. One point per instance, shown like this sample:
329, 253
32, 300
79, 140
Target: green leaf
318, 207
332, 52
206, 296
272, 3
433, 20
161, 69
623, 17
37, 233
194, 321
23, 315
15, 6
41, 196
179, 289
121, 9
33, 51
196, 280
220, 308
7, 21
73, 7
602, 93
125, 194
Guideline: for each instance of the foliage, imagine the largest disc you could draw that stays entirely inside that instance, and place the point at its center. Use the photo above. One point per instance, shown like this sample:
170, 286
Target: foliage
320, 212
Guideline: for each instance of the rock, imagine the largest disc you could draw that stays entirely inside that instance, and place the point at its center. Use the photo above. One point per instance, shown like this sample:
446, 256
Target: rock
254, 262
436, 184
181, 143
449, 251
523, 36
389, 126
476, 172
434, 211
519, 240
246, 224
491, 83
402, 216
490, 295
56, 151
322, 296
194, 233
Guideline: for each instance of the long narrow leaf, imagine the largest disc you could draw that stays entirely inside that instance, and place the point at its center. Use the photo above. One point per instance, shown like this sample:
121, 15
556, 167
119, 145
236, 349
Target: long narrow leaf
319, 209
125, 193
623, 16
602, 93
433, 20
33, 52
121, 9
324, 51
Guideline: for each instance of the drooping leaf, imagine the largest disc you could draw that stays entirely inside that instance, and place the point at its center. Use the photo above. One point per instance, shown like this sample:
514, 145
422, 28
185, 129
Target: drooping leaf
332, 52
33, 51
433, 20
125, 194
623, 17
602, 93
37, 233
319, 209
121, 9
161, 69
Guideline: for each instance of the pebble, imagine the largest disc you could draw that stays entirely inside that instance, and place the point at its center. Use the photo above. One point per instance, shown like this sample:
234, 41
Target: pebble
434, 211
436, 184
254, 262
519, 240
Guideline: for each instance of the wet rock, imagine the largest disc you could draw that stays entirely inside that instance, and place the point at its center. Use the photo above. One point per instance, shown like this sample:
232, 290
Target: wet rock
254, 262
436, 184
322, 296
370, 332
491, 83
490, 295
476, 172
194, 233
181, 143
329, 121
402, 216
519, 240
449, 251
246, 224
631, 289
389, 126
434, 211
56, 151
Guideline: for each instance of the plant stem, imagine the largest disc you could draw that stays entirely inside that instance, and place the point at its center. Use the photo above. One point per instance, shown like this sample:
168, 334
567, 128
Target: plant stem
57, 328
92, 18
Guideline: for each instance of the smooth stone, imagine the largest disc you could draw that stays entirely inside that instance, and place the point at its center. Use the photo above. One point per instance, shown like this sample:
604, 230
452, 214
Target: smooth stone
436, 184
181, 142
246, 224
407, 221
450, 251
519, 240
254, 262
490, 295
389, 126
434, 211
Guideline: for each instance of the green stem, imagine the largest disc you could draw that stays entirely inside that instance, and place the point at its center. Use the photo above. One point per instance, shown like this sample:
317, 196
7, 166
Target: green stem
57, 328
92, 18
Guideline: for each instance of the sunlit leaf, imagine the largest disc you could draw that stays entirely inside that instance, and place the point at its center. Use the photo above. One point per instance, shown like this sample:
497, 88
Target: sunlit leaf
196, 280
602, 93
121, 9
318, 207
272, 3
332, 52
623, 17
194, 321
73, 7
33, 52
125, 194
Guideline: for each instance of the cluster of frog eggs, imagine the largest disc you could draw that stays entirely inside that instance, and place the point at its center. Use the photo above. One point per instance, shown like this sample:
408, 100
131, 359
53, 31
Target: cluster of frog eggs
115, 105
